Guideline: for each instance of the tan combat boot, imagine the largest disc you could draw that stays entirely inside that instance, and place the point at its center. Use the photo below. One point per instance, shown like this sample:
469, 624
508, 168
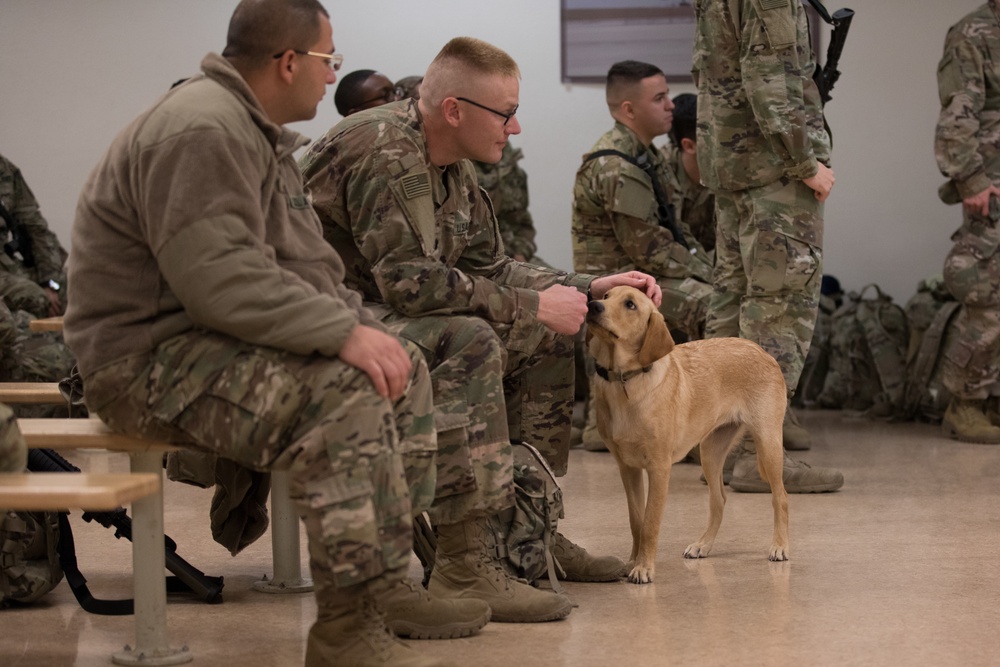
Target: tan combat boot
793, 435
412, 612
578, 565
798, 477
465, 567
965, 420
592, 441
350, 630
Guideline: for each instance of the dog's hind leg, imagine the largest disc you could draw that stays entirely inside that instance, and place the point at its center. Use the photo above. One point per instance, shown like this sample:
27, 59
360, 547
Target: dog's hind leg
770, 463
714, 448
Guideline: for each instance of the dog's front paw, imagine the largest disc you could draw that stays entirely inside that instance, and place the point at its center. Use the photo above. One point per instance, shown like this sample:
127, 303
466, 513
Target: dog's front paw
778, 553
641, 574
697, 550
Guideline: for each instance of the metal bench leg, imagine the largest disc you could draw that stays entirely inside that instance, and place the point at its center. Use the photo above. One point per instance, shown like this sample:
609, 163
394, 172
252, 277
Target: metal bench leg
285, 553
148, 566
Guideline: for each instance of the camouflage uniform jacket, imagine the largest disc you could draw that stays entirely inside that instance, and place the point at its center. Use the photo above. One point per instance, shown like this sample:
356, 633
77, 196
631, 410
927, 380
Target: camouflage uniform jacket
20, 285
760, 117
420, 239
694, 202
615, 227
507, 185
197, 218
967, 142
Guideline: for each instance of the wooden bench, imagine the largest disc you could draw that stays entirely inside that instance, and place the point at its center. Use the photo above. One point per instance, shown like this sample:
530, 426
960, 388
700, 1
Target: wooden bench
31, 392
46, 324
56, 491
148, 561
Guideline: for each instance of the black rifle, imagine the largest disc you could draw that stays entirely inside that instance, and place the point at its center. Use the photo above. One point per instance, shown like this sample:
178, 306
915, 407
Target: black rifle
187, 578
826, 76
664, 209
20, 240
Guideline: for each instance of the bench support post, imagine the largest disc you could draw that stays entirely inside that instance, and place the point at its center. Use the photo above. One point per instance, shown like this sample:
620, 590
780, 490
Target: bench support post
285, 553
148, 566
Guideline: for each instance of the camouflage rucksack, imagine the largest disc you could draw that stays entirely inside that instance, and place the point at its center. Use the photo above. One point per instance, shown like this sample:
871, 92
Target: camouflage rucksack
29, 562
817, 363
527, 531
929, 313
867, 356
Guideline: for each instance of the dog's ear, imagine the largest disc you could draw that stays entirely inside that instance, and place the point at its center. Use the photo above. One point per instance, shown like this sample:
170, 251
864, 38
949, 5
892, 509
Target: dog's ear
657, 343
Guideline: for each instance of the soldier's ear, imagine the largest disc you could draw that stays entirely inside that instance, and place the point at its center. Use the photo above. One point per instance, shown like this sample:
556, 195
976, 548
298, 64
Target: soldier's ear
627, 109
689, 146
450, 111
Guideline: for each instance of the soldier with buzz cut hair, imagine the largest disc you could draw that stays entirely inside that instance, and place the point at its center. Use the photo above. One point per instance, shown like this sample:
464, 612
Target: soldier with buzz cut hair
967, 148
363, 89
207, 310
694, 202
399, 199
626, 213
763, 150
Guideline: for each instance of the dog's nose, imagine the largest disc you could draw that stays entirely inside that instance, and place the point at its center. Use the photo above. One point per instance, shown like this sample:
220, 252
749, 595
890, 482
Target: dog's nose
595, 307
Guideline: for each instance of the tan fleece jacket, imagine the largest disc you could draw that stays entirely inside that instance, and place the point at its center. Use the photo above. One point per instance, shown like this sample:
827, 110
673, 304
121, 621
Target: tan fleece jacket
197, 217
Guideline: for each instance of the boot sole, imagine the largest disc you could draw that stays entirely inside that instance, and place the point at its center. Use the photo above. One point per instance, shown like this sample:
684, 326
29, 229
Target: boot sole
554, 615
950, 432
412, 630
764, 487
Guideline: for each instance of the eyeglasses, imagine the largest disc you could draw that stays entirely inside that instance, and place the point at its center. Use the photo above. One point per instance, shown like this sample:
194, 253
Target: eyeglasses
389, 95
333, 60
506, 116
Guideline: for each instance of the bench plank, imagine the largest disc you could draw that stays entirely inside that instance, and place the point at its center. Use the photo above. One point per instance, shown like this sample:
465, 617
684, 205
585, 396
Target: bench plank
46, 324
64, 491
68, 434
31, 392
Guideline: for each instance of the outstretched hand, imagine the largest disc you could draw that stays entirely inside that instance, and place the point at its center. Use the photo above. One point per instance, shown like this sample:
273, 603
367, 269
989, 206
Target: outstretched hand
381, 357
637, 279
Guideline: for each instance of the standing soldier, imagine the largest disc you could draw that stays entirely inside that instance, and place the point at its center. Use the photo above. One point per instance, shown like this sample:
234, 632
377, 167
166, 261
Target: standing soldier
967, 147
763, 149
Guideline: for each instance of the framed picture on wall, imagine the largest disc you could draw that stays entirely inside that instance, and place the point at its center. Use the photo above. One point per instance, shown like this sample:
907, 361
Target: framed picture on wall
598, 33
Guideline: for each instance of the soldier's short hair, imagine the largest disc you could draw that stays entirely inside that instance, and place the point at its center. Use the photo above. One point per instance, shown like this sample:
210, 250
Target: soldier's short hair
623, 77
685, 125
462, 60
410, 85
348, 94
259, 29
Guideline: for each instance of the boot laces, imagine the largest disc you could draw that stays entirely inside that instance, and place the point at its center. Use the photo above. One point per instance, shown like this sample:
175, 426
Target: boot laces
373, 629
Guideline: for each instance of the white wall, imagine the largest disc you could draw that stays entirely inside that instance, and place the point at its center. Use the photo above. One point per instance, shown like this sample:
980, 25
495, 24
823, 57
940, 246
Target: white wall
74, 72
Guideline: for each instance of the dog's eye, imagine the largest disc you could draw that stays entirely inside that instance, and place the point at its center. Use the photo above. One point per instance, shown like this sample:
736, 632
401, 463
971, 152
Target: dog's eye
630, 305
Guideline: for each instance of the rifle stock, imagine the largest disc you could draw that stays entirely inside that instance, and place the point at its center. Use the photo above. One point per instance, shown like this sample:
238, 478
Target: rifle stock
206, 588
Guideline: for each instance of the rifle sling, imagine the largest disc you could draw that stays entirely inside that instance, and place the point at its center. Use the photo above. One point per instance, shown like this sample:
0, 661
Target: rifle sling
664, 209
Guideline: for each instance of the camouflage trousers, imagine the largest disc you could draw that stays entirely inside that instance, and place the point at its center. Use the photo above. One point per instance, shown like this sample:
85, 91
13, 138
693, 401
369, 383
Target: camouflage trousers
26, 356
971, 364
13, 451
768, 270
491, 387
685, 305
360, 465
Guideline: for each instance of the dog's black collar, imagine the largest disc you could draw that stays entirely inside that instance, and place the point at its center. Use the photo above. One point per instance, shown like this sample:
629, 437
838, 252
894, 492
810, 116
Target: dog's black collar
614, 376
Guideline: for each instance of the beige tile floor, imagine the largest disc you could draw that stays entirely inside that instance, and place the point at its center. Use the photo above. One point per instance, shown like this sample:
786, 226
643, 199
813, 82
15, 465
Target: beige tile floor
900, 567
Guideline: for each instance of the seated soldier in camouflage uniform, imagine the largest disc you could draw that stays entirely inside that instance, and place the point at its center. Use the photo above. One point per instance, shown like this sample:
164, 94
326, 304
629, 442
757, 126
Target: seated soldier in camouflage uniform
363, 89
618, 223
13, 451
693, 202
31, 281
208, 310
399, 200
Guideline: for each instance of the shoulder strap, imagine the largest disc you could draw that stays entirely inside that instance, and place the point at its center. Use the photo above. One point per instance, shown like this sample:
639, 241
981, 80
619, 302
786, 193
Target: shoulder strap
664, 208
891, 366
